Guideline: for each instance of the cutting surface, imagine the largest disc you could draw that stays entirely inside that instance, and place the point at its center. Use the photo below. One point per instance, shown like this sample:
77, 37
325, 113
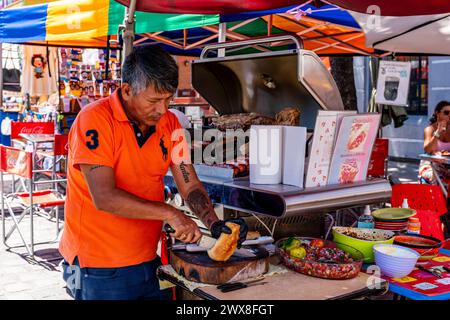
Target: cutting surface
198, 267
295, 286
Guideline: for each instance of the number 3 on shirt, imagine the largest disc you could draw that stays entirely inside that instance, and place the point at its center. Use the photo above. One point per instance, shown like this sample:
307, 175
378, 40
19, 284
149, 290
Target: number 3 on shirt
93, 143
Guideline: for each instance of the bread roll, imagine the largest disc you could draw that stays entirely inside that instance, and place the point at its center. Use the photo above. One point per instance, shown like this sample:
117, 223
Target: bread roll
226, 244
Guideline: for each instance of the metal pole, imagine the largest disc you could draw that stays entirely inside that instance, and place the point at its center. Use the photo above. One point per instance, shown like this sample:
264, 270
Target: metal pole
31, 217
222, 38
128, 33
3, 210
1, 76
108, 48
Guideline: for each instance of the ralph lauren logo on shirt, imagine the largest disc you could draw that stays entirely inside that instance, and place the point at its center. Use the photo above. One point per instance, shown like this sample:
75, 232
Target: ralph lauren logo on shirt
163, 149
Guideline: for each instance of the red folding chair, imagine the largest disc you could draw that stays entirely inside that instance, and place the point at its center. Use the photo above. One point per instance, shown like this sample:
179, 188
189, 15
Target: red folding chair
19, 162
57, 155
378, 165
428, 201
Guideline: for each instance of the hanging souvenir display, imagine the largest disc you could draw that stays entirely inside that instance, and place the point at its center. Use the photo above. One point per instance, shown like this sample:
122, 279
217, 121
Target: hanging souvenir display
83, 77
86, 75
62, 88
75, 89
76, 56
74, 74
38, 62
98, 92
112, 86
101, 59
113, 56
90, 88
84, 88
64, 71
64, 56
96, 73
105, 88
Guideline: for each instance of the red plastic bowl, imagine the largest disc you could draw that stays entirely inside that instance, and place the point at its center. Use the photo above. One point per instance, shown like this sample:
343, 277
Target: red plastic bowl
427, 247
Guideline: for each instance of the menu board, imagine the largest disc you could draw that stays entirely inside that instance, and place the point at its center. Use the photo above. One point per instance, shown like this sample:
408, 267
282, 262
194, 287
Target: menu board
353, 148
325, 134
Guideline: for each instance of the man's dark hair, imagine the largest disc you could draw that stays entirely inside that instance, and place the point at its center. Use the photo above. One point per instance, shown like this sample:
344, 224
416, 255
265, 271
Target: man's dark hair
150, 65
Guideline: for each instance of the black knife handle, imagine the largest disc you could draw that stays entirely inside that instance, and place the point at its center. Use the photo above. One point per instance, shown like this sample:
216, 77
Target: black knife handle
168, 228
226, 285
236, 286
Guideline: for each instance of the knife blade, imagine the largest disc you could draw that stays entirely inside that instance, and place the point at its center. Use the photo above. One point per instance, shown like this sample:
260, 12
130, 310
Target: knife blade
206, 242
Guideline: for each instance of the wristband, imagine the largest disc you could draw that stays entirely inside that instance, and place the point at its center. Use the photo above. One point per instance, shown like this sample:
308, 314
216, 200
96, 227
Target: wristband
437, 134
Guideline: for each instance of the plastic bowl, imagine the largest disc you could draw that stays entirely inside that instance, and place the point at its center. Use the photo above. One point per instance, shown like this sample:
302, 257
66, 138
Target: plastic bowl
341, 237
427, 247
327, 270
395, 261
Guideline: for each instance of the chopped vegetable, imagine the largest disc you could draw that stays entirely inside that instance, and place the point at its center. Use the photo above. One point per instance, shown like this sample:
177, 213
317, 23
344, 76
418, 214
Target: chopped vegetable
298, 252
291, 243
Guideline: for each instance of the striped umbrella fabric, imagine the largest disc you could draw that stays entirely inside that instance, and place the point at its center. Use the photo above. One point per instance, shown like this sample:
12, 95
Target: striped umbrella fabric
89, 23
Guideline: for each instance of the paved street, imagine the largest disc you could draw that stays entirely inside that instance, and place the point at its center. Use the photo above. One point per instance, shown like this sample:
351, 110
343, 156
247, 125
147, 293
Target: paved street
24, 279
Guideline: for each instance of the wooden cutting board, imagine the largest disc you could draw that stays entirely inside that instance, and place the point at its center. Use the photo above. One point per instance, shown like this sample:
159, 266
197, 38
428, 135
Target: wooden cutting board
198, 267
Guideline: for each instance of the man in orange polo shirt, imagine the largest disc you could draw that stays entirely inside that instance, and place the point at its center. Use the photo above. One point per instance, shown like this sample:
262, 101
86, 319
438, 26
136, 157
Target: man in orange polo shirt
120, 148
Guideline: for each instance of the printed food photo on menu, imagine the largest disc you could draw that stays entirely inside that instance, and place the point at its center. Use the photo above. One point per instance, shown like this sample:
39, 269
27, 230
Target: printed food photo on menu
349, 170
358, 136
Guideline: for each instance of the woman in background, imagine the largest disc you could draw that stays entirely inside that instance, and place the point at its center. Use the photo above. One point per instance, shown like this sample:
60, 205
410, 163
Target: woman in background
437, 142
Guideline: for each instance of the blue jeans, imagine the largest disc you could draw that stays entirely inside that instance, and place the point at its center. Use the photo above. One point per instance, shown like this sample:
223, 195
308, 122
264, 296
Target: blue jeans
126, 283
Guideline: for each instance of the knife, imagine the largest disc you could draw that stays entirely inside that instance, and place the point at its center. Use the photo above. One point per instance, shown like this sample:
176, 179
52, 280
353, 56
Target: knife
230, 284
205, 242
240, 285
434, 272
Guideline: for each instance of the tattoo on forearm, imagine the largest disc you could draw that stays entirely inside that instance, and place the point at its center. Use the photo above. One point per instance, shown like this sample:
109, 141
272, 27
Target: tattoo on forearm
95, 167
199, 202
184, 172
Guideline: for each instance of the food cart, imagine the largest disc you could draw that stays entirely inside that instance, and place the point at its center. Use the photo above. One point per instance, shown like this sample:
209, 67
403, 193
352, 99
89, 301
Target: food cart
232, 84
302, 80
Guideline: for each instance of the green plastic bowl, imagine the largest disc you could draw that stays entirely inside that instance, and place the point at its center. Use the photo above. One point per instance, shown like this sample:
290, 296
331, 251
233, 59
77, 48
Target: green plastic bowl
342, 238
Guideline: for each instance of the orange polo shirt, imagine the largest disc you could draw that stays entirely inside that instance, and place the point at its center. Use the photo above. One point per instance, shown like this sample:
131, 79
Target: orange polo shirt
103, 135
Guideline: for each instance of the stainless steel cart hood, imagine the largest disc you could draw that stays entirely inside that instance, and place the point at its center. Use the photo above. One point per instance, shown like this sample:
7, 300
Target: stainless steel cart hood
266, 82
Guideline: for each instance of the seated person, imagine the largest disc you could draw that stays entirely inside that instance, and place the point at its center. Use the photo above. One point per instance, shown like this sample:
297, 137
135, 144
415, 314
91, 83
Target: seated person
437, 142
